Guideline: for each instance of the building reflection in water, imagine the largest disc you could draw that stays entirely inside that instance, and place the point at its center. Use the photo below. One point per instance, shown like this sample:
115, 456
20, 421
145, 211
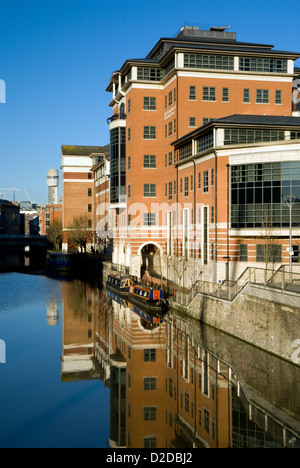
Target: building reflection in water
171, 380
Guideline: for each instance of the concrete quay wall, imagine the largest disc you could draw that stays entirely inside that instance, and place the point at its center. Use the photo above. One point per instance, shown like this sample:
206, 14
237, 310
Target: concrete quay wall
267, 320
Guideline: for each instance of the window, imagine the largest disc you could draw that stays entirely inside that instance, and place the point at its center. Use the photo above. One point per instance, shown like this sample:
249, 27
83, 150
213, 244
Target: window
129, 190
206, 420
150, 442
246, 95
205, 181
170, 190
170, 97
212, 177
149, 190
269, 253
186, 186
278, 97
149, 74
170, 128
129, 163
192, 95
243, 253
262, 96
149, 133
129, 134
205, 142
89, 192
212, 62
186, 402
129, 105
150, 413
225, 94
90, 207
149, 103
209, 93
240, 136
170, 158
149, 161
257, 194
199, 180
149, 383
212, 217
149, 355
192, 122
263, 65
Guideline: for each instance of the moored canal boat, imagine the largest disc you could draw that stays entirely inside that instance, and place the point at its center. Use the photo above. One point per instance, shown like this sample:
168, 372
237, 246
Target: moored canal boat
119, 284
148, 298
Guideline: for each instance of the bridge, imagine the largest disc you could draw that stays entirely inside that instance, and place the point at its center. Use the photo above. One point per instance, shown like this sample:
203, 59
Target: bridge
21, 240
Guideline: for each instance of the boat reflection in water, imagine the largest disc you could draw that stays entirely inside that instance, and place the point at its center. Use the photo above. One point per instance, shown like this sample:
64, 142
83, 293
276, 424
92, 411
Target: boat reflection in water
175, 383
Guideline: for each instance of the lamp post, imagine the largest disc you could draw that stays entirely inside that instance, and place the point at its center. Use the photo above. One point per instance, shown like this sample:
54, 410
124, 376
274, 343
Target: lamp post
290, 200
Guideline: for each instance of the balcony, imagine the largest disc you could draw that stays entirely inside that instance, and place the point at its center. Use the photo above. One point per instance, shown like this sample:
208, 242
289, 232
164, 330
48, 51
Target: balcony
116, 117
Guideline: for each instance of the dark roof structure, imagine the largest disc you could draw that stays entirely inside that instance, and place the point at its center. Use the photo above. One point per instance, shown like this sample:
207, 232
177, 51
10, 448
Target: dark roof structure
244, 120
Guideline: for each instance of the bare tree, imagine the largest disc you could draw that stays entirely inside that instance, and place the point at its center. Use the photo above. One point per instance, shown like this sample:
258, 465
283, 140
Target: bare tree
80, 232
54, 234
270, 250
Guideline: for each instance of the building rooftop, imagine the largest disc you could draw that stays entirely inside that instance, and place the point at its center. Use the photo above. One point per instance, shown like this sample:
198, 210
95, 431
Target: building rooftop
214, 39
245, 120
71, 150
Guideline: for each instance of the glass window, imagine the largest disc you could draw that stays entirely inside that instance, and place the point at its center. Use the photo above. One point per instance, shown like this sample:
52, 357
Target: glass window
192, 121
149, 103
262, 96
244, 253
209, 93
150, 355
192, 95
149, 133
225, 94
149, 161
205, 181
246, 95
149, 219
149, 190
278, 98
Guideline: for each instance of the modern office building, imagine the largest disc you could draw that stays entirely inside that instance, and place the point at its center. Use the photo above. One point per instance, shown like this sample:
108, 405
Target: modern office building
204, 139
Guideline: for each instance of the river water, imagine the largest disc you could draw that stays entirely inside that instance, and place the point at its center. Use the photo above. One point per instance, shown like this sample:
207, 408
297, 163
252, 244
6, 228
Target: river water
81, 367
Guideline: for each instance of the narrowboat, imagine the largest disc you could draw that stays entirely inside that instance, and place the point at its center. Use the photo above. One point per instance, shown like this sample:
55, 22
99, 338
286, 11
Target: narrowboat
116, 298
147, 297
152, 319
119, 284
59, 261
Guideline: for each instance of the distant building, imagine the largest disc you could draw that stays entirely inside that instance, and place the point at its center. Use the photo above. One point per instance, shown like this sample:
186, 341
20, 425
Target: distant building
9, 218
29, 223
52, 182
49, 214
78, 184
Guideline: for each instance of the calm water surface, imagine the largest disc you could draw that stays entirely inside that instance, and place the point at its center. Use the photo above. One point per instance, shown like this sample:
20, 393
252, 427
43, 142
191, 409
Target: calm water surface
87, 369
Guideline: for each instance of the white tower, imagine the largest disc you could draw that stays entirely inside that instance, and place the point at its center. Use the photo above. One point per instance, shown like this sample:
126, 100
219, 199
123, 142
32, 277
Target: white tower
52, 182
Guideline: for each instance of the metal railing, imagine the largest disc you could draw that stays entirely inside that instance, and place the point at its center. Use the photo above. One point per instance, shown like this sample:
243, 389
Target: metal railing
281, 279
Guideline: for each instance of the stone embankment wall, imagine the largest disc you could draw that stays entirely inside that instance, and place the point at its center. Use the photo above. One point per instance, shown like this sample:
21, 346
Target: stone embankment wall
270, 323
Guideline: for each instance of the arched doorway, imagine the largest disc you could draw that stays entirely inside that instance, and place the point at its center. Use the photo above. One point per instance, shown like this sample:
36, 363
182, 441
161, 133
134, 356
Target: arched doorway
149, 265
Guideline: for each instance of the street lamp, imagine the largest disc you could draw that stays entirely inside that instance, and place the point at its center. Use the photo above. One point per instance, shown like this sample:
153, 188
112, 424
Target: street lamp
290, 200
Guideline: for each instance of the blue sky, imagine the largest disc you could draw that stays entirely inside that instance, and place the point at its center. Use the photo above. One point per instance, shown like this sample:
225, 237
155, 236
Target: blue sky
57, 56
